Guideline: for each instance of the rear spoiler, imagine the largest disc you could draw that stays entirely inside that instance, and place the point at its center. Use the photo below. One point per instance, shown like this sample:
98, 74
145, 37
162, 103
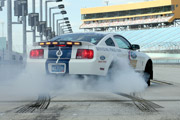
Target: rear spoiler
60, 43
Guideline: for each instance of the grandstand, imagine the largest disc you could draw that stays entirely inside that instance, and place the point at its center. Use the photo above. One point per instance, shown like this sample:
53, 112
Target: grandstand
154, 25
156, 39
146, 14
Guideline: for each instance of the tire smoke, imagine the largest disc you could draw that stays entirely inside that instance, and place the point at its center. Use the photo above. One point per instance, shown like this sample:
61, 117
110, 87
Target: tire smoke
30, 81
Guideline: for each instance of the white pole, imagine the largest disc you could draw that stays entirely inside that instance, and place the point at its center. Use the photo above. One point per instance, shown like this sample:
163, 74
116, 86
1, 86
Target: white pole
41, 17
9, 26
34, 29
24, 31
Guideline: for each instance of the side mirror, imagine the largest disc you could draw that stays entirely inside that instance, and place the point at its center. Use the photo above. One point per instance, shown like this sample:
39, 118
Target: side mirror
135, 47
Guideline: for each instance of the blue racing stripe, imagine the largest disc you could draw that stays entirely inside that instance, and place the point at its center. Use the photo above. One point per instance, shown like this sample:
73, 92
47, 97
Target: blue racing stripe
65, 58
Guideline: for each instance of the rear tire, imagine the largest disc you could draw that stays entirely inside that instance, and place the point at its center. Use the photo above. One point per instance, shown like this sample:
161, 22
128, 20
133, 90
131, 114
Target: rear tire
148, 72
147, 78
110, 71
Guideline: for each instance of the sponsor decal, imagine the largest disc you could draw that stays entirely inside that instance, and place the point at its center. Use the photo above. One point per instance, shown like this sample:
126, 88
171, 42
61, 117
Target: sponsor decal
101, 68
102, 61
132, 55
133, 63
102, 57
132, 58
108, 49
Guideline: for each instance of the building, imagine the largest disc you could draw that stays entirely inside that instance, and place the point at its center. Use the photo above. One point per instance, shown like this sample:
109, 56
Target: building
146, 14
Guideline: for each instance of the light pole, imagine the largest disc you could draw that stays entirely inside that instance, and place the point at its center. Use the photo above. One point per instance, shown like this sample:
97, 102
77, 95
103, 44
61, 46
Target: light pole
54, 19
56, 7
41, 28
1, 4
41, 17
58, 25
24, 29
61, 28
46, 7
67, 30
23, 12
62, 12
67, 25
9, 26
21, 9
34, 28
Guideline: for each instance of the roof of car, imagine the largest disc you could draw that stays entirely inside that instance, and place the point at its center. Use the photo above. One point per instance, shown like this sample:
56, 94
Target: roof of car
82, 33
91, 33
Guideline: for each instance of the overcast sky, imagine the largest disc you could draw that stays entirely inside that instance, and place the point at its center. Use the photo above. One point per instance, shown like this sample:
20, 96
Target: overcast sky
73, 12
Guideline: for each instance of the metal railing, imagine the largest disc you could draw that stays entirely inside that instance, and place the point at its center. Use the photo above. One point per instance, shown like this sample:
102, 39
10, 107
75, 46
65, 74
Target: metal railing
166, 61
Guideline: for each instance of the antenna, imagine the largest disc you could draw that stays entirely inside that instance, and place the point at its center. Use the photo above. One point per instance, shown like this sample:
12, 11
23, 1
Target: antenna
107, 2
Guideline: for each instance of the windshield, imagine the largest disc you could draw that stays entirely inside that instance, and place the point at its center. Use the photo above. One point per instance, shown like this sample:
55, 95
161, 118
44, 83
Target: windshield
87, 37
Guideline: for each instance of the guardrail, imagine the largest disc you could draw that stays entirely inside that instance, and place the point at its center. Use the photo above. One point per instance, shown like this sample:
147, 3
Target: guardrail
164, 58
166, 61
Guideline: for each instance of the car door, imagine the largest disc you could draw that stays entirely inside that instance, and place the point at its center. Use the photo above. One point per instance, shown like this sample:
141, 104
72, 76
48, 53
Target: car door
114, 48
127, 50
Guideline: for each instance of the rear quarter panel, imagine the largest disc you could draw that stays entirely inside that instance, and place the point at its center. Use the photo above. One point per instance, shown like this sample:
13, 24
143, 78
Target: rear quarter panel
38, 63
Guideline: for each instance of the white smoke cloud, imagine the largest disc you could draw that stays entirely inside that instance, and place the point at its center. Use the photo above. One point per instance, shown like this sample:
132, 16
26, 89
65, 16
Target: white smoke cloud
31, 82
122, 78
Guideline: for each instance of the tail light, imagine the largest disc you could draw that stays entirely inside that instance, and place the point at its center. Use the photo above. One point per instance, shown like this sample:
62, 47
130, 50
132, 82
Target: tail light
84, 54
61, 45
37, 53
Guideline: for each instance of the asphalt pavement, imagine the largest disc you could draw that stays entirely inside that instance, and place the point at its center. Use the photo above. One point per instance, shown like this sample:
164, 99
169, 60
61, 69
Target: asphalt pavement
160, 101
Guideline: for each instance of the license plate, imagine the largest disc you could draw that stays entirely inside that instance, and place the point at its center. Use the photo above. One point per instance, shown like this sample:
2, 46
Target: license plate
58, 68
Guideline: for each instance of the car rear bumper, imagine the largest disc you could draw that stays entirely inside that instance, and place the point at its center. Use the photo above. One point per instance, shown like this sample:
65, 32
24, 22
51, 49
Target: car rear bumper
36, 65
73, 66
86, 67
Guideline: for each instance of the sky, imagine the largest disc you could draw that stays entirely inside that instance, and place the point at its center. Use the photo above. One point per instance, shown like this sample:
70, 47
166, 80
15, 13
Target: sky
73, 12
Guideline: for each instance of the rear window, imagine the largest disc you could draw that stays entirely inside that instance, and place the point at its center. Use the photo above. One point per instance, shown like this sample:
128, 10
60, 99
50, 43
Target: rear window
87, 37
